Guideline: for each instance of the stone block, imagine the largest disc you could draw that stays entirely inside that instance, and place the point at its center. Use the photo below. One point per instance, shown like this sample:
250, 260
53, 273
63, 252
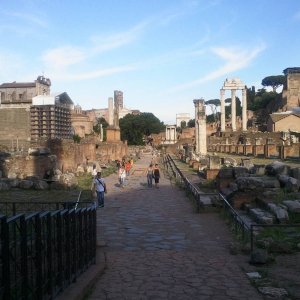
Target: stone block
292, 205
240, 172
211, 174
277, 168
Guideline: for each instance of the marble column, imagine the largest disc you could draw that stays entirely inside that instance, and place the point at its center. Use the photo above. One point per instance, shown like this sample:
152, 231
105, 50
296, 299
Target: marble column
244, 110
101, 133
222, 93
233, 110
200, 127
110, 111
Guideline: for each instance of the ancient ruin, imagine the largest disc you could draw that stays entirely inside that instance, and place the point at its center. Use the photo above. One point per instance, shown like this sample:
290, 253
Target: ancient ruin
233, 85
200, 127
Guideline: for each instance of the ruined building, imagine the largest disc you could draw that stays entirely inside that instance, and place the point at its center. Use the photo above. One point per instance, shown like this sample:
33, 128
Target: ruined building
28, 113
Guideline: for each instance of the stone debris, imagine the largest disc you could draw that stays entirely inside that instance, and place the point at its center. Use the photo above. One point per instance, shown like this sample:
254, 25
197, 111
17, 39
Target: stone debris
273, 292
292, 205
253, 275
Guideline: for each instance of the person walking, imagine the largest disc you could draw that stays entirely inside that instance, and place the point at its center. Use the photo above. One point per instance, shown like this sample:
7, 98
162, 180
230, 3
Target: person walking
122, 175
127, 168
156, 174
100, 187
150, 175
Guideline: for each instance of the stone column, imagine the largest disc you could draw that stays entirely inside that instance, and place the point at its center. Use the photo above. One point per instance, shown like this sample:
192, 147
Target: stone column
200, 126
233, 110
222, 93
101, 133
244, 110
110, 111
196, 126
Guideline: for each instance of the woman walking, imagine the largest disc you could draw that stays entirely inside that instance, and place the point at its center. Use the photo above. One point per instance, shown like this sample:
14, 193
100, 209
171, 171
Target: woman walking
156, 174
122, 175
150, 175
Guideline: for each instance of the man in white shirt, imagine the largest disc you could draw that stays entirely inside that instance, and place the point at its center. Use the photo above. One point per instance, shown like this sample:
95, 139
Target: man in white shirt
100, 188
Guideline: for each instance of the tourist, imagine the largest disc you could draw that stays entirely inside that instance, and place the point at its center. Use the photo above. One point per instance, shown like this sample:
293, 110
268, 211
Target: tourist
118, 164
127, 168
122, 175
156, 174
94, 171
131, 162
150, 175
100, 187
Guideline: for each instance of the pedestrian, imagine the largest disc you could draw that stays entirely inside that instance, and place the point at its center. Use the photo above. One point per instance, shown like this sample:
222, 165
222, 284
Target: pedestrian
94, 171
118, 163
131, 162
150, 175
122, 175
156, 174
127, 168
100, 187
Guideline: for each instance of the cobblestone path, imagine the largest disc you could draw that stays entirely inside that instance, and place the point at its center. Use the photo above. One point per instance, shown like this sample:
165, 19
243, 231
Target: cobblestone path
157, 247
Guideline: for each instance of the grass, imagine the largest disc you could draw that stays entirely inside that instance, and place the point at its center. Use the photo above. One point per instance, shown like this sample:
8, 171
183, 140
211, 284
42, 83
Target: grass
84, 185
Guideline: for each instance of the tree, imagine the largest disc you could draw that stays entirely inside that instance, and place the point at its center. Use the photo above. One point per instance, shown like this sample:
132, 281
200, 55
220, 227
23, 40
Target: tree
135, 127
97, 127
183, 124
76, 138
213, 104
274, 81
191, 123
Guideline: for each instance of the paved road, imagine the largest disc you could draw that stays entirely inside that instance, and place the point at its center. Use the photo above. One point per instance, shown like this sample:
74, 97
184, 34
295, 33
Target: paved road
157, 247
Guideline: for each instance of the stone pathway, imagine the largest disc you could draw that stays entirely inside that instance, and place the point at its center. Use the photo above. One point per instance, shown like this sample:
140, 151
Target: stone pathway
157, 247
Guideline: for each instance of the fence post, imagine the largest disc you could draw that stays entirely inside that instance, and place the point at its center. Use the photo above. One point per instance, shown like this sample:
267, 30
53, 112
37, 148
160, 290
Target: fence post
39, 258
49, 255
251, 237
5, 258
24, 267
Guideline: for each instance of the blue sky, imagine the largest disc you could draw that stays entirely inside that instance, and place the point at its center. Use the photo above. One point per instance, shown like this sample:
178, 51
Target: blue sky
161, 53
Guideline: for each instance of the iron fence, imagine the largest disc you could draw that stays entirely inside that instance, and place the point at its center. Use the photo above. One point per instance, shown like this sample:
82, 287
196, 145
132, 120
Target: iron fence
41, 253
244, 231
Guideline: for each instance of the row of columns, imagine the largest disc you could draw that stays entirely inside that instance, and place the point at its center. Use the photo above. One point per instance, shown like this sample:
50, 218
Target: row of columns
230, 85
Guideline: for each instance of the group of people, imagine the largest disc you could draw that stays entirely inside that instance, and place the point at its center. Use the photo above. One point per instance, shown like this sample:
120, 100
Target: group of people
99, 186
153, 173
124, 168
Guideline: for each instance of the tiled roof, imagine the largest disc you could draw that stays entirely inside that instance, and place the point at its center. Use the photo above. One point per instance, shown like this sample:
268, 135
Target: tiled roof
17, 85
278, 117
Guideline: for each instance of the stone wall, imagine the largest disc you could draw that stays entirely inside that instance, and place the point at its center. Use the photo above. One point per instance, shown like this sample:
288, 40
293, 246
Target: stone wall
24, 166
15, 127
65, 156
70, 155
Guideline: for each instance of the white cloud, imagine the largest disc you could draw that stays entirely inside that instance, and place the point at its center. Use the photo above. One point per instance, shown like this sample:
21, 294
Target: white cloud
63, 57
28, 18
117, 40
235, 59
73, 76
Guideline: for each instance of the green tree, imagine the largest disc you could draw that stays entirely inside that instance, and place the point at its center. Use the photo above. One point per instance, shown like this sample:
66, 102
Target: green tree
213, 104
135, 127
274, 81
76, 138
183, 124
191, 123
97, 127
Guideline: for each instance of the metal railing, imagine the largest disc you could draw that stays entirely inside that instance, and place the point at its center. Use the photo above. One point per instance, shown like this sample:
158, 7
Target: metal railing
246, 232
41, 253
239, 225
170, 166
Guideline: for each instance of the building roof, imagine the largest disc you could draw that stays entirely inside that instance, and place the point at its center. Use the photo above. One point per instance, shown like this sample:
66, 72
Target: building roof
291, 70
279, 116
17, 85
58, 99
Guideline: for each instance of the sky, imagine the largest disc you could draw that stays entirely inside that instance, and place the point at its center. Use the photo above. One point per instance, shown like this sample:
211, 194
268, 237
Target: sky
162, 54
